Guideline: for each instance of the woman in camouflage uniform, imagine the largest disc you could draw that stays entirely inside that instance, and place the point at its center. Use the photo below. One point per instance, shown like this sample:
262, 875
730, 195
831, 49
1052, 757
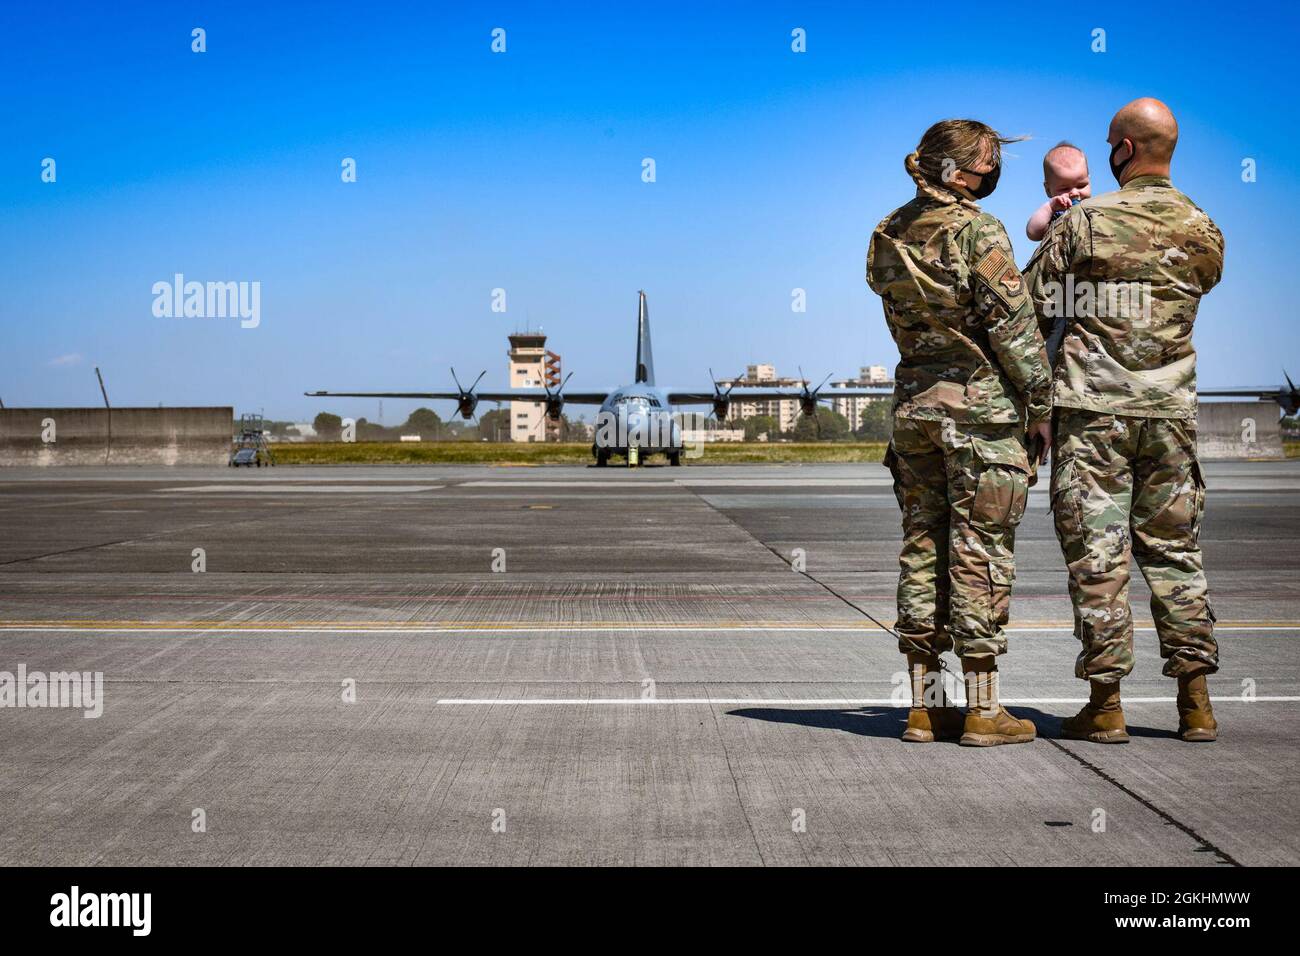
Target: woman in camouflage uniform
972, 383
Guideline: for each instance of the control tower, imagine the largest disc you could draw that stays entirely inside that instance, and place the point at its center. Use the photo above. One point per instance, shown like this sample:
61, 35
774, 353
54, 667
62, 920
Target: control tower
531, 365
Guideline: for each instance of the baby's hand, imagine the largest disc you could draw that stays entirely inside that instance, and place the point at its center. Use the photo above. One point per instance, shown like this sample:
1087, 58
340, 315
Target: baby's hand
1062, 202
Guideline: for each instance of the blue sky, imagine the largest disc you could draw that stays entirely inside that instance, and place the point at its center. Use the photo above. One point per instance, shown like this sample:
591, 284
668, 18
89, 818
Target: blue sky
522, 171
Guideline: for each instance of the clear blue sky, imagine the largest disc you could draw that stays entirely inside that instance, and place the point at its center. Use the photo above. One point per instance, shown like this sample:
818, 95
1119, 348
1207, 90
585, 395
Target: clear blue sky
523, 171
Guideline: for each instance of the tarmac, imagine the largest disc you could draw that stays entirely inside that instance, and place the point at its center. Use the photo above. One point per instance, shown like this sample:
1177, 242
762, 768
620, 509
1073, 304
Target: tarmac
643, 678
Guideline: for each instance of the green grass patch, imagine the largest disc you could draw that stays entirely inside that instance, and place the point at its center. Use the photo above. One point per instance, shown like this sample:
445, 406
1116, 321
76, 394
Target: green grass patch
544, 453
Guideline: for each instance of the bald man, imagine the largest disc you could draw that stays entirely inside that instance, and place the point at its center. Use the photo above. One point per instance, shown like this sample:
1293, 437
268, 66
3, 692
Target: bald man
1127, 271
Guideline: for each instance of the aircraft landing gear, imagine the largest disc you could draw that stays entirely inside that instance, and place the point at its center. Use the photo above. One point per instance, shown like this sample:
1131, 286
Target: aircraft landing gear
602, 456
675, 458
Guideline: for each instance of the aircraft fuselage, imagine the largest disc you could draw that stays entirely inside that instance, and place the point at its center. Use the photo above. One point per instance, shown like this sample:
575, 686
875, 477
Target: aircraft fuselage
637, 416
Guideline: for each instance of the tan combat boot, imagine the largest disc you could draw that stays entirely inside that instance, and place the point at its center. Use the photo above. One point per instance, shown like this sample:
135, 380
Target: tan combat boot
987, 723
1101, 720
933, 718
1196, 722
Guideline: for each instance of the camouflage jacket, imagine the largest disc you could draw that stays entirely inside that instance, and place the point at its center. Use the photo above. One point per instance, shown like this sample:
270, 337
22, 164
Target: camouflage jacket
1123, 273
956, 305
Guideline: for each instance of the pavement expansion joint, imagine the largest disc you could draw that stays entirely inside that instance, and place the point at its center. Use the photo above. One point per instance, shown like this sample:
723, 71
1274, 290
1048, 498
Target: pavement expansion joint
1169, 818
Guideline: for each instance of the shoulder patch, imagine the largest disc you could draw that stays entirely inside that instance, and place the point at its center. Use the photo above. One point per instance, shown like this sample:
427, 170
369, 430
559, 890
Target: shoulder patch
1010, 280
1000, 276
992, 265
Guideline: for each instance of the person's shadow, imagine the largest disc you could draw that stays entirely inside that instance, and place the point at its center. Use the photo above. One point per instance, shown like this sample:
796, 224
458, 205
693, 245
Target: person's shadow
891, 721
864, 721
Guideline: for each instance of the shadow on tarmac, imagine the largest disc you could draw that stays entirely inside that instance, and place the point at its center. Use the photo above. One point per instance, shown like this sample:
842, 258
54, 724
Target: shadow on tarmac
891, 721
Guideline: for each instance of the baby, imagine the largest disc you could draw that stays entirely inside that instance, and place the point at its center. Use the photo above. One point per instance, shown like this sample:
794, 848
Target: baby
1065, 178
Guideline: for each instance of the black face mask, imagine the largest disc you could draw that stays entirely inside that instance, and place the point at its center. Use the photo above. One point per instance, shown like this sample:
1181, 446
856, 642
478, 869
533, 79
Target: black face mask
1118, 171
988, 181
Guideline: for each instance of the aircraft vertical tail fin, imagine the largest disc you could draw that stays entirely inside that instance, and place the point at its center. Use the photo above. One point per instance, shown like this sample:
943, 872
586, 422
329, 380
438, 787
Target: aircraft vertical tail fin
645, 363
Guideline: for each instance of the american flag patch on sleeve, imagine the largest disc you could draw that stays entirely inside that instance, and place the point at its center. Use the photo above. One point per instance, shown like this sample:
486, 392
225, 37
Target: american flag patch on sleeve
992, 265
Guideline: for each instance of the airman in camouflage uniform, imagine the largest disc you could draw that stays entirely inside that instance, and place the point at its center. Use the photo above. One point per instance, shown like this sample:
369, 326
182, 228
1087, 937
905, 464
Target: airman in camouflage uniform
973, 375
1128, 270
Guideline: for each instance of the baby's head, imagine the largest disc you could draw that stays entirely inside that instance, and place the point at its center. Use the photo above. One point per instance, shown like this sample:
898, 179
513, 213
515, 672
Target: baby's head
1065, 172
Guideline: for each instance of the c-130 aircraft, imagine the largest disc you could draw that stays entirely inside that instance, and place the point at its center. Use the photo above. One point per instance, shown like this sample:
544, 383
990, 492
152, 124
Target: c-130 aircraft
635, 420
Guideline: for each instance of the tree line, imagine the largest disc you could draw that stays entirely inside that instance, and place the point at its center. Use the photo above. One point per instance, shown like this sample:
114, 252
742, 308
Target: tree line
495, 425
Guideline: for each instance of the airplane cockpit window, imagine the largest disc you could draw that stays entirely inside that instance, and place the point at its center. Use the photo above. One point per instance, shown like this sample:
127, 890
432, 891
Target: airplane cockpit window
637, 401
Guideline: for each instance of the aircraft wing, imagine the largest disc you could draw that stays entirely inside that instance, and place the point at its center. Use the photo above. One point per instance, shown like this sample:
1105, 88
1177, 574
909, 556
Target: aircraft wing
1239, 392
539, 395
747, 394
511, 395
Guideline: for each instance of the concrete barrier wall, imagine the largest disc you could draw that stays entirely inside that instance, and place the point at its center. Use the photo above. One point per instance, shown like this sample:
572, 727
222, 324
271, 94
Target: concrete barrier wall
1238, 430
120, 436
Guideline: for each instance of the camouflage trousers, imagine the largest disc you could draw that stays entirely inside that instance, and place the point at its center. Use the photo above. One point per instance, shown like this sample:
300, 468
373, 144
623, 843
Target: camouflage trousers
962, 489
1122, 486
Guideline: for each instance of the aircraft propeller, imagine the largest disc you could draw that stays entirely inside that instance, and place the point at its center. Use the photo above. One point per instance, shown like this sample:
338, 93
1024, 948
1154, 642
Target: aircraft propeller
721, 399
809, 398
555, 402
1290, 401
467, 401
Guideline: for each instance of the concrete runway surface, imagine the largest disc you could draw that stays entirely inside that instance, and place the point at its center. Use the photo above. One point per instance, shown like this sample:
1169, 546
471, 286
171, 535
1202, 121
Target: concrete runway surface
648, 682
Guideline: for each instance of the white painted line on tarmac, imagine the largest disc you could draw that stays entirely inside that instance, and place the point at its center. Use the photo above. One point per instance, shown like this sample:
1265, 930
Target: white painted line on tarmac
799, 701
685, 482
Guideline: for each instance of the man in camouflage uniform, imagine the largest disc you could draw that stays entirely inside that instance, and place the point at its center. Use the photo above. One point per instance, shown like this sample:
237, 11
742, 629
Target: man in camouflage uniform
1127, 270
972, 376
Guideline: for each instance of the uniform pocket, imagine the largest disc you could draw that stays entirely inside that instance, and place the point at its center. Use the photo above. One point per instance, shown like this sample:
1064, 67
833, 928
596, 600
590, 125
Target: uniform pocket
1066, 506
1002, 489
1002, 575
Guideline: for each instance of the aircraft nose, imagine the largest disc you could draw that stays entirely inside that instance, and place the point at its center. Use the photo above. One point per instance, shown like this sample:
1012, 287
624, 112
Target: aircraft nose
637, 426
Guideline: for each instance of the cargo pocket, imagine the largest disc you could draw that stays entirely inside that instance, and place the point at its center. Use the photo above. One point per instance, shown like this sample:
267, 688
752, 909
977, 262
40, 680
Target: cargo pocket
1002, 575
1067, 510
1003, 485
